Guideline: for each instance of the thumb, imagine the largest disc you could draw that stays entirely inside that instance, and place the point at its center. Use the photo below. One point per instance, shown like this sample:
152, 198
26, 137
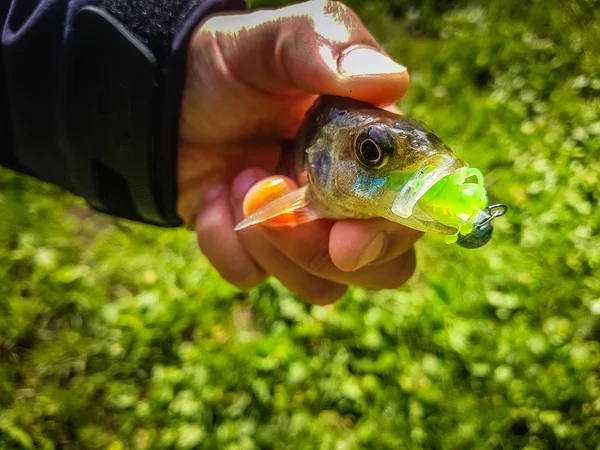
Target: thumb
316, 47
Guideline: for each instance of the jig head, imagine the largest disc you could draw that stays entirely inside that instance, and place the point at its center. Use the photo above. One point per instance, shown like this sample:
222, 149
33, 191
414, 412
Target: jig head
482, 227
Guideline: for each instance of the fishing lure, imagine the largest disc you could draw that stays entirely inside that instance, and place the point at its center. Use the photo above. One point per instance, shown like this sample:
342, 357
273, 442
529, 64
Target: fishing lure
354, 160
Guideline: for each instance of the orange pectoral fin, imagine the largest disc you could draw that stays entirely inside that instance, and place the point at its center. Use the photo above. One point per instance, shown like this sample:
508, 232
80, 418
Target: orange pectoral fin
277, 202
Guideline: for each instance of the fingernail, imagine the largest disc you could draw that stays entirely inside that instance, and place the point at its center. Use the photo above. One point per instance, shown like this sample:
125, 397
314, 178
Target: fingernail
213, 193
372, 251
360, 60
243, 183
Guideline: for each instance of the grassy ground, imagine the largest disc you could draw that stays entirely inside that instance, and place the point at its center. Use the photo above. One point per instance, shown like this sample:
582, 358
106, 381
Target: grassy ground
120, 336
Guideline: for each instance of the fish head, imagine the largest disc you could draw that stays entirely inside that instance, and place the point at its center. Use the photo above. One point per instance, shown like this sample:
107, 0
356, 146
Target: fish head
362, 161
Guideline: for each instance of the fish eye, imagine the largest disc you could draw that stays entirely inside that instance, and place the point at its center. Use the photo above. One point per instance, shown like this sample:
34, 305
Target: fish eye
369, 151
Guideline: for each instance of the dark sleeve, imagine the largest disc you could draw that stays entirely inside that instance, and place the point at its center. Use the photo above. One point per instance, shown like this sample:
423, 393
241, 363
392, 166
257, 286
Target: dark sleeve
90, 93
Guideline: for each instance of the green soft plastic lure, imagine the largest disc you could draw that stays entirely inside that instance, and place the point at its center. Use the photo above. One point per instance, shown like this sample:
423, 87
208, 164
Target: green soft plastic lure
354, 160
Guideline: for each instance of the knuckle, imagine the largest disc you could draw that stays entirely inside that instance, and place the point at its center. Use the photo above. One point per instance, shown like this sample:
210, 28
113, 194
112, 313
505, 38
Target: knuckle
297, 49
206, 226
319, 261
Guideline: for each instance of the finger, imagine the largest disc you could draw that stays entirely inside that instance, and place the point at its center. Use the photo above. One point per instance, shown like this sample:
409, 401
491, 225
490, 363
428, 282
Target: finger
308, 246
357, 243
310, 287
221, 245
316, 47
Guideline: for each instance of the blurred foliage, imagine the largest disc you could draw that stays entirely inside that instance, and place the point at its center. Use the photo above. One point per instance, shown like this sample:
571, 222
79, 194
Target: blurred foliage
120, 336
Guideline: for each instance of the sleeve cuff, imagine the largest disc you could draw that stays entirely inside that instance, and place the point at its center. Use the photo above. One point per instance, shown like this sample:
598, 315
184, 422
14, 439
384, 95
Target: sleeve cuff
120, 96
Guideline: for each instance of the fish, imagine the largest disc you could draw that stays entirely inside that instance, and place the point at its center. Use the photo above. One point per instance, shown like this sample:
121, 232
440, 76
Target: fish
351, 159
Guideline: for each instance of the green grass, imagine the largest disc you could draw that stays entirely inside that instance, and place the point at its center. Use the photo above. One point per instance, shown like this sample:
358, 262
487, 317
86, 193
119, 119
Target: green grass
118, 336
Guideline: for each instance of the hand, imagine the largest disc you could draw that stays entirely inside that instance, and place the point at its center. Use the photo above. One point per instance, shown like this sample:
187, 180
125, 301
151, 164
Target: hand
251, 78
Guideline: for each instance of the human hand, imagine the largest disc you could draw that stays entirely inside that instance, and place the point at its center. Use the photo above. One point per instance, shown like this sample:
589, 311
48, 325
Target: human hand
251, 78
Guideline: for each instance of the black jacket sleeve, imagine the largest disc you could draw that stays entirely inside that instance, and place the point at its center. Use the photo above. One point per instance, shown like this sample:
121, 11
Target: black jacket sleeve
90, 92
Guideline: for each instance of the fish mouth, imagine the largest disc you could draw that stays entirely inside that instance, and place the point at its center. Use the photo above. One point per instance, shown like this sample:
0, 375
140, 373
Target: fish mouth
421, 181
